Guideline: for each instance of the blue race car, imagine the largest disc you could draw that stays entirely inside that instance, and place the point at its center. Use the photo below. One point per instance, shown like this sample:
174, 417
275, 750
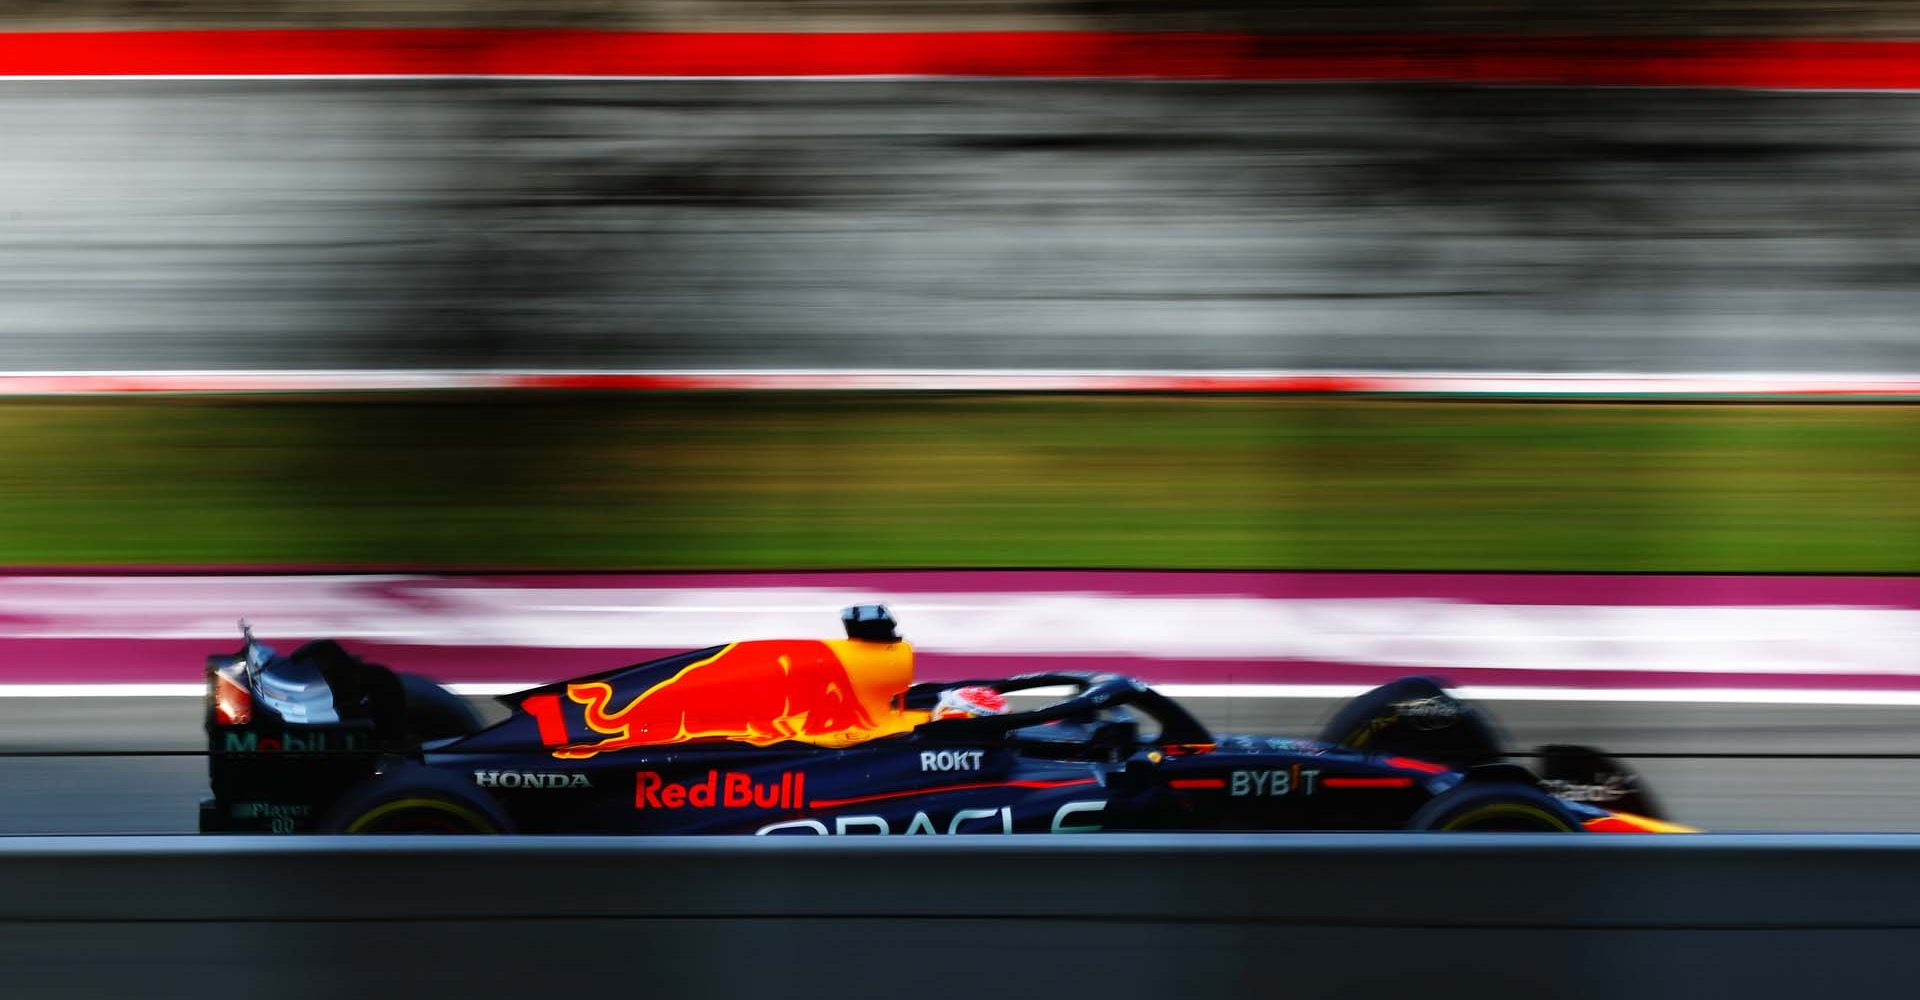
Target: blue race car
833, 737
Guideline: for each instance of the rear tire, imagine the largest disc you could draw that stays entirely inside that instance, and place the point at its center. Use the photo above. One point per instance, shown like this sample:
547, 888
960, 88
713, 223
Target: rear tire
416, 800
1495, 808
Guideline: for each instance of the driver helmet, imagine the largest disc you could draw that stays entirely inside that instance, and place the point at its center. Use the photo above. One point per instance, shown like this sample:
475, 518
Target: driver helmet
969, 703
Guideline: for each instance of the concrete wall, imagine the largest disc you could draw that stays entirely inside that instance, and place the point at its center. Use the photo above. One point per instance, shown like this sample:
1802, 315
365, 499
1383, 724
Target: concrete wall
1084, 916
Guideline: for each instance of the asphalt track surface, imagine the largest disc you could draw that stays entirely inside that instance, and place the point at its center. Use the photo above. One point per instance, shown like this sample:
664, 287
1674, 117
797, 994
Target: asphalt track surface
158, 794
191, 224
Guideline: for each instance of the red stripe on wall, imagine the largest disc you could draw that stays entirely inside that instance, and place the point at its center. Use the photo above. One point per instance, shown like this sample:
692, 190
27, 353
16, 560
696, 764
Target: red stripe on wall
1773, 63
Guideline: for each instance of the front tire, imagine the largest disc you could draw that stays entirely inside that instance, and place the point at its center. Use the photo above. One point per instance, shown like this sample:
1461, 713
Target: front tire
1494, 808
416, 800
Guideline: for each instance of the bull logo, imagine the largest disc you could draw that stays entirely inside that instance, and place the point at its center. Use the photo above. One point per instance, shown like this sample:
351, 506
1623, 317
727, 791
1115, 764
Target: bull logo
796, 691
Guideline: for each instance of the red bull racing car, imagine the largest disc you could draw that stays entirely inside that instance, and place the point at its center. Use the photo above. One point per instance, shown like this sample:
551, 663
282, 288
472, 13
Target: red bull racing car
833, 737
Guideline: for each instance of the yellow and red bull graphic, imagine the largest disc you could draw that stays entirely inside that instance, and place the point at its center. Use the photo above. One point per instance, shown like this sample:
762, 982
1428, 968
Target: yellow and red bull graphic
826, 693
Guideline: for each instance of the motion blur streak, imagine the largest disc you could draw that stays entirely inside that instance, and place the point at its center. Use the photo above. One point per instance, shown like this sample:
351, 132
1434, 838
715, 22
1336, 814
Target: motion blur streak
1600, 638
1538, 384
963, 225
849, 480
1786, 64
681, 220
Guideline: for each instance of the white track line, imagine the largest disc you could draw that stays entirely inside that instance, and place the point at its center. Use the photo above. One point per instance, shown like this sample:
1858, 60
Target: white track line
1098, 630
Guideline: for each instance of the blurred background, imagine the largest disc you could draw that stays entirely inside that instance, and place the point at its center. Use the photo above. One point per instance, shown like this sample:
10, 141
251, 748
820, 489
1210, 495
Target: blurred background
194, 224
986, 223
1608, 17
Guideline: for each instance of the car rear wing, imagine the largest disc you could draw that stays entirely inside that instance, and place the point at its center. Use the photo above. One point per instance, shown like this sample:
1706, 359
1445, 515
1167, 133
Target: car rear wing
286, 735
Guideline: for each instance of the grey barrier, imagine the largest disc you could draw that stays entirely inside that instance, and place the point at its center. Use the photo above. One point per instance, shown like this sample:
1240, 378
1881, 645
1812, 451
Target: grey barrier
1098, 915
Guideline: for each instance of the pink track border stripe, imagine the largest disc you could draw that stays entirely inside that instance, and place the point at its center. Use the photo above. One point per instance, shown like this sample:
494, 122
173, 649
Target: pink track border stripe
1814, 386
48, 646
1746, 62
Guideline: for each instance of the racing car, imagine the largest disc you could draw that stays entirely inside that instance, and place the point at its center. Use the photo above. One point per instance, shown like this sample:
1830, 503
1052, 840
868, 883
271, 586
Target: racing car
833, 737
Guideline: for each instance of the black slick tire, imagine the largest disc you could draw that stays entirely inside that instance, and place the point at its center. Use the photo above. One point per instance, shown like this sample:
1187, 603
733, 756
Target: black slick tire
416, 800
1494, 808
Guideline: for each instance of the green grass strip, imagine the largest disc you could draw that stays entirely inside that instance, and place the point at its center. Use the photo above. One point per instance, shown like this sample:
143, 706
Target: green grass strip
930, 480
